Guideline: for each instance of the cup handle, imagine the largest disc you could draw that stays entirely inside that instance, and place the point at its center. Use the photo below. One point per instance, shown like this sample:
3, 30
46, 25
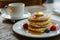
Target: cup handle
11, 9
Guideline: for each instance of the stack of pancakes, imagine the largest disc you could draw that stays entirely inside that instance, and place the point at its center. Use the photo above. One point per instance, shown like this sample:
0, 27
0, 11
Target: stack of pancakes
38, 23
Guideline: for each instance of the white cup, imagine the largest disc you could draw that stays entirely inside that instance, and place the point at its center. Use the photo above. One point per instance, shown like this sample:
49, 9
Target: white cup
16, 10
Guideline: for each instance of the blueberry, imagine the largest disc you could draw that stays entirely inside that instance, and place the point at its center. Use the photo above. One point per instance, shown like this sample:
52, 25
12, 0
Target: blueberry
47, 30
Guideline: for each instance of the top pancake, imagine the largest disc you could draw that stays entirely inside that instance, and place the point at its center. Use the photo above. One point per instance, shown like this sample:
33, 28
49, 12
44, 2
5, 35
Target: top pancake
39, 19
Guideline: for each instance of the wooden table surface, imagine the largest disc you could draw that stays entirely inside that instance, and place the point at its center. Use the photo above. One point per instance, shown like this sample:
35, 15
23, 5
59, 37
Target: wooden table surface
6, 32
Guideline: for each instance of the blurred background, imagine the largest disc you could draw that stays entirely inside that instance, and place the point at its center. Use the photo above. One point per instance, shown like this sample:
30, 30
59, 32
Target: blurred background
27, 2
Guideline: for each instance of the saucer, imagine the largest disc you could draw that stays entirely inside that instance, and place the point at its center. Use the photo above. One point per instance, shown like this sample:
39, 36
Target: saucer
7, 16
18, 28
56, 11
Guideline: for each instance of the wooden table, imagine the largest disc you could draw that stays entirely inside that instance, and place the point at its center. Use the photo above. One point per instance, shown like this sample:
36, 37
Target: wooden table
6, 32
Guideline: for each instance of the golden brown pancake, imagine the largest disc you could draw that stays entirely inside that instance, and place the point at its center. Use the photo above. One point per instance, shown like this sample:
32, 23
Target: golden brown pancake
38, 29
43, 18
45, 25
34, 32
40, 23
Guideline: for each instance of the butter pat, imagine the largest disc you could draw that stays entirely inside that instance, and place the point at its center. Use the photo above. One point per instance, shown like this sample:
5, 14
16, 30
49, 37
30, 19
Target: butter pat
38, 14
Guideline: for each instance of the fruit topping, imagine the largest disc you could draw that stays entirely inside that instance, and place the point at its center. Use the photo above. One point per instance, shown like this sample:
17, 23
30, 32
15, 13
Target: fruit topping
25, 26
53, 28
47, 30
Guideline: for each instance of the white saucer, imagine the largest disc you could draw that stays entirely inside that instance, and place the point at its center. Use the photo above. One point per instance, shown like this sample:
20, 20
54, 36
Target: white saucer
18, 28
5, 15
56, 11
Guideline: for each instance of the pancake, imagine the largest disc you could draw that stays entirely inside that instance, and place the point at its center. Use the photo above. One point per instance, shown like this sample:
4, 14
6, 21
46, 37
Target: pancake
39, 19
40, 23
39, 29
48, 25
34, 32
35, 29
45, 25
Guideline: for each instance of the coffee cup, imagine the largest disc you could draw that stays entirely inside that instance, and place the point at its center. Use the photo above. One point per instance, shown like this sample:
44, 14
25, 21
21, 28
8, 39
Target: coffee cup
15, 10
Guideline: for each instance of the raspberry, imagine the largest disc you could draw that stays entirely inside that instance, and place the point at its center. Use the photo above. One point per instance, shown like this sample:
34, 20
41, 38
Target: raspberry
25, 26
53, 28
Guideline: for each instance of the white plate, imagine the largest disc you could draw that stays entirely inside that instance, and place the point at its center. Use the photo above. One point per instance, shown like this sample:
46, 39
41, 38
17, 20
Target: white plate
18, 28
6, 14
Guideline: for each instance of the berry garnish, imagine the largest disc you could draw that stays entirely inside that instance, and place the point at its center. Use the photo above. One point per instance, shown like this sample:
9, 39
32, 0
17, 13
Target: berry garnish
25, 26
53, 28
47, 30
